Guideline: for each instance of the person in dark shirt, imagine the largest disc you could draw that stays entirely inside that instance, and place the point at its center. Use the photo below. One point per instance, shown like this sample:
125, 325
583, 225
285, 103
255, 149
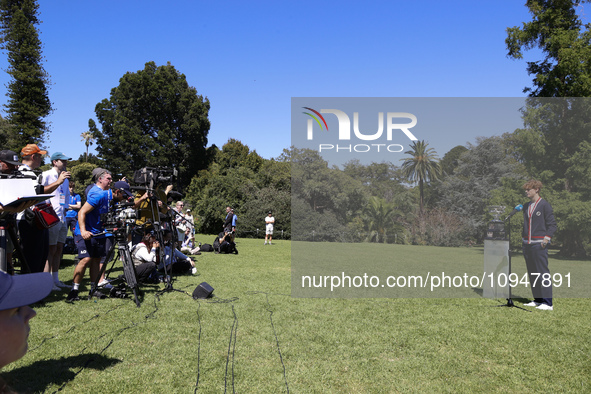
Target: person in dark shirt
538, 228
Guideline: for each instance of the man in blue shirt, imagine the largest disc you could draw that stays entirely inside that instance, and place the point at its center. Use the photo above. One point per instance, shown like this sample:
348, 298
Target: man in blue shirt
89, 235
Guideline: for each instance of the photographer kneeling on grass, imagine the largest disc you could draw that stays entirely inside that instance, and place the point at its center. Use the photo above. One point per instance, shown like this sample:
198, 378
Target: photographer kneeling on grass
224, 243
144, 255
176, 262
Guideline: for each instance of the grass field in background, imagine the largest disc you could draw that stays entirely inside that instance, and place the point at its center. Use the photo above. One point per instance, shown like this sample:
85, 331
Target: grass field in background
253, 337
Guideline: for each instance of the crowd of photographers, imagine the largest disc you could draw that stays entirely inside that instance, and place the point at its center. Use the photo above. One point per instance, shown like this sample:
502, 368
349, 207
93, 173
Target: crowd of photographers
35, 224
152, 236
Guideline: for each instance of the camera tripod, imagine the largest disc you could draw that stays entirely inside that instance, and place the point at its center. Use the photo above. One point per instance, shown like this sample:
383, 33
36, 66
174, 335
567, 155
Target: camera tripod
7, 226
128, 268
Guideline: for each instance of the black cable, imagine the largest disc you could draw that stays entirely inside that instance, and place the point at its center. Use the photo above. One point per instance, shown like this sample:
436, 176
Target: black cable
276, 340
232, 350
121, 330
274, 331
198, 348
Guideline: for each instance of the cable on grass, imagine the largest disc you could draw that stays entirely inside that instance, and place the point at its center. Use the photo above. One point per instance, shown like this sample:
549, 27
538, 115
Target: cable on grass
71, 329
118, 332
198, 348
232, 351
275, 333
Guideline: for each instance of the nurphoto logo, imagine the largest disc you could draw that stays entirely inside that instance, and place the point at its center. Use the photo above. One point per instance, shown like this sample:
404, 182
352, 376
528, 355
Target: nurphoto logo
393, 127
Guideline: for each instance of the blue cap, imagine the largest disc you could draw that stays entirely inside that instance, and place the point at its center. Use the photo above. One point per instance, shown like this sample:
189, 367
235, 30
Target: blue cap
21, 290
59, 156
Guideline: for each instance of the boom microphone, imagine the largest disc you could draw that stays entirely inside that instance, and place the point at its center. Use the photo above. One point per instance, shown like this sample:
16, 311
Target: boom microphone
514, 211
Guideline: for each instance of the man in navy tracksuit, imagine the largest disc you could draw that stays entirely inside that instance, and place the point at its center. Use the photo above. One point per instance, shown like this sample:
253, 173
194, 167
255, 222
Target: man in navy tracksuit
538, 228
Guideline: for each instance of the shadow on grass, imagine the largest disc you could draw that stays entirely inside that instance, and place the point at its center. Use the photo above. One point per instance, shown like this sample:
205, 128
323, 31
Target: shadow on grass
41, 374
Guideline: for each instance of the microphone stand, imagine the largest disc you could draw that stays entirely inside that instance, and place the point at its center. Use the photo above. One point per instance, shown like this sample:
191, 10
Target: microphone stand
510, 303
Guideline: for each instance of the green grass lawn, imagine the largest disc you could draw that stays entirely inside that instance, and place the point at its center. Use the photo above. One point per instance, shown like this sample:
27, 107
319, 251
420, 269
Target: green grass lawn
254, 337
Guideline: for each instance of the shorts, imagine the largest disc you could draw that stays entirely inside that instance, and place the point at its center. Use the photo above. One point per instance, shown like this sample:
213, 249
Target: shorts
94, 247
269, 230
58, 234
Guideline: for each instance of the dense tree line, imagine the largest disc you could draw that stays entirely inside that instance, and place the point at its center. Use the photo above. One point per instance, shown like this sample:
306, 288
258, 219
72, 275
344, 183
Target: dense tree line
240, 178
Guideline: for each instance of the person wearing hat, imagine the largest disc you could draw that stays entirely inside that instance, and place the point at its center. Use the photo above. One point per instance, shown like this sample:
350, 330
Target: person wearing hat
33, 240
269, 222
190, 225
32, 156
89, 235
8, 161
16, 294
56, 182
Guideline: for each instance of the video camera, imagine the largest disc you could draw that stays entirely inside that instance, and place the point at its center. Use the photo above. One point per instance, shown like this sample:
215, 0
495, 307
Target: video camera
118, 217
17, 175
149, 176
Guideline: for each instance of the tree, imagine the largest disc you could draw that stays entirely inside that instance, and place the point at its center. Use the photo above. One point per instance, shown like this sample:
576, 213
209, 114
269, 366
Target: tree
555, 147
88, 137
28, 100
451, 159
467, 192
378, 214
558, 32
155, 119
554, 143
250, 184
423, 166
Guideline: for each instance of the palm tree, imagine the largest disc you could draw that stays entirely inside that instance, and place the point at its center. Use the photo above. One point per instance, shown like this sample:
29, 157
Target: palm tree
422, 167
378, 213
88, 139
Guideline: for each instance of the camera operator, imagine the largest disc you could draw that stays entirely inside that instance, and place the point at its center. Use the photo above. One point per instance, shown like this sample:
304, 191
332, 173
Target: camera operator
89, 235
224, 244
150, 206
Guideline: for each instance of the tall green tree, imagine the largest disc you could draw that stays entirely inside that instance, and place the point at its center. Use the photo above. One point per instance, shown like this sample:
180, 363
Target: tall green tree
155, 119
554, 142
422, 167
557, 30
28, 100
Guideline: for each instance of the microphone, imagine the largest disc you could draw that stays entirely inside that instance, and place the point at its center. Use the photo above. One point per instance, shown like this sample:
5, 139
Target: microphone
514, 211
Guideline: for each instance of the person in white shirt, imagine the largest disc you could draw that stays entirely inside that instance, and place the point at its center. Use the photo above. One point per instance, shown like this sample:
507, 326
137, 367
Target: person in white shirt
143, 255
269, 222
56, 182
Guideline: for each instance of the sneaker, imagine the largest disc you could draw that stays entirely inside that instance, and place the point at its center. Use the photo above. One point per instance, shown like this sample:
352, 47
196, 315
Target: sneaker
56, 288
265, 242
545, 307
62, 285
532, 303
193, 270
105, 284
73, 296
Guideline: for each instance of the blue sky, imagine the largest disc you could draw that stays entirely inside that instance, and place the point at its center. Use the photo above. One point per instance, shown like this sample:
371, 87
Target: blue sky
250, 58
